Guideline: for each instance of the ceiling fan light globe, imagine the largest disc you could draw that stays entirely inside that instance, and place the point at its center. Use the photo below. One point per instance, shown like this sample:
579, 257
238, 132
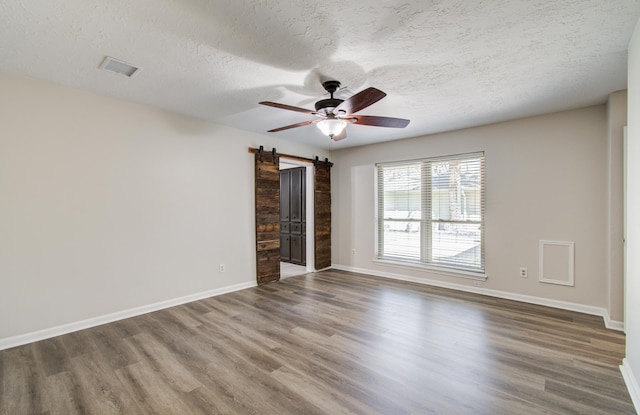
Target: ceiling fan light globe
331, 127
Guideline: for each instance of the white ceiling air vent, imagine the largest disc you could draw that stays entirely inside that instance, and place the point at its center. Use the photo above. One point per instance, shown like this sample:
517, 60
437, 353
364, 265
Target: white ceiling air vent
119, 67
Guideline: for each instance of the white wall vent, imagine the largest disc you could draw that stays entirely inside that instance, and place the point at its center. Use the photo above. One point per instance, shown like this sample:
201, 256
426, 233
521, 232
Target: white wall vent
556, 262
119, 67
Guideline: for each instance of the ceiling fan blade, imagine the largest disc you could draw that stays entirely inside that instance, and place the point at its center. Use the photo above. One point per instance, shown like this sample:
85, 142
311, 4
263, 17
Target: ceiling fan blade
378, 121
300, 124
360, 101
286, 107
340, 136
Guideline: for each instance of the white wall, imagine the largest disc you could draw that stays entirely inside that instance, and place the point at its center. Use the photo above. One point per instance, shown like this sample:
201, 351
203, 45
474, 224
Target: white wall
107, 205
631, 368
545, 179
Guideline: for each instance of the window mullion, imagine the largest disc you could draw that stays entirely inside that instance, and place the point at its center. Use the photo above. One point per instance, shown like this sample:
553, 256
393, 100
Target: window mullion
425, 213
380, 204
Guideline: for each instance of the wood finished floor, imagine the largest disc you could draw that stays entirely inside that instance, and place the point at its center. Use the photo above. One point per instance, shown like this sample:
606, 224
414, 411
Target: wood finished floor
326, 343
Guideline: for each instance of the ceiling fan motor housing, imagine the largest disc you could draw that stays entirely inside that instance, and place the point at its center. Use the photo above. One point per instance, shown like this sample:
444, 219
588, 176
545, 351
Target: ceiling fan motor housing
328, 104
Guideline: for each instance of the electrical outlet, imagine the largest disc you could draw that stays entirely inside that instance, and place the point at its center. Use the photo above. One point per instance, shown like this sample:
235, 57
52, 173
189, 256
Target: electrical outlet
353, 252
477, 284
223, 268
523, 273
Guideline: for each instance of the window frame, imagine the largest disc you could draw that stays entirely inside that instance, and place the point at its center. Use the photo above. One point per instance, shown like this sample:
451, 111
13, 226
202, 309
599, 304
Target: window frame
426, 221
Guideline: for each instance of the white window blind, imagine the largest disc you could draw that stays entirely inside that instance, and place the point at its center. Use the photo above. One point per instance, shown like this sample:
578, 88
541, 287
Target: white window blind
431, 211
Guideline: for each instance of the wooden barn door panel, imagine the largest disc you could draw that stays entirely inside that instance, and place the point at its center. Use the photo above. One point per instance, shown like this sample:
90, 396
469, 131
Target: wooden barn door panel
267, 219
322, 216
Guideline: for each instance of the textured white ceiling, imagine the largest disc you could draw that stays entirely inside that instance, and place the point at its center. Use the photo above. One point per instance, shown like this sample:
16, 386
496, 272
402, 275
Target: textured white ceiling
445, 64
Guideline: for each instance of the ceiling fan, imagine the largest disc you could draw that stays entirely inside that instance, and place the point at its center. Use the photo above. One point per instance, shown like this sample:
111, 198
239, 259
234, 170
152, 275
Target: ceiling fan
334, 114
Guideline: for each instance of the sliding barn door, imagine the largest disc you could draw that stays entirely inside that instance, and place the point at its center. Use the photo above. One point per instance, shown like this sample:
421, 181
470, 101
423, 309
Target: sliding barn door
268, 214
322, 216
267, 219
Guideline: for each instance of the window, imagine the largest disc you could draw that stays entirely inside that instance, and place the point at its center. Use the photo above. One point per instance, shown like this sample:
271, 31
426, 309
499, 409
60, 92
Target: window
431, 212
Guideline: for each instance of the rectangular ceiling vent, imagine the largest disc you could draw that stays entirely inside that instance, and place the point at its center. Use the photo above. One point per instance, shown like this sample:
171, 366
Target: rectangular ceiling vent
119, 67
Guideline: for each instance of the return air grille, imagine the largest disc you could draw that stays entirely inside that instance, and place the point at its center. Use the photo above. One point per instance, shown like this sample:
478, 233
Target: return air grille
119, 67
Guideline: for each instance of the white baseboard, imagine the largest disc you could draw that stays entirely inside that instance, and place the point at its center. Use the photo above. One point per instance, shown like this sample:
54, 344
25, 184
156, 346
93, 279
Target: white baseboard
632, 383
612, 324
563, 305
120, 315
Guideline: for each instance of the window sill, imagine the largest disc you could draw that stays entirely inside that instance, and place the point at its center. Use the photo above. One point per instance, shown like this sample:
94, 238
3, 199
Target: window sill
436, 270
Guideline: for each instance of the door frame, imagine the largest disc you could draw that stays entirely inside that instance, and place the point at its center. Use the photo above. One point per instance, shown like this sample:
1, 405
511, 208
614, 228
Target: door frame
625, 180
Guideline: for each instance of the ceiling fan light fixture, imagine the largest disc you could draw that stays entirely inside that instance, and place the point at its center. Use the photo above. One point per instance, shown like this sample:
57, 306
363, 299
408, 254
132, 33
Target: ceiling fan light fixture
331, 127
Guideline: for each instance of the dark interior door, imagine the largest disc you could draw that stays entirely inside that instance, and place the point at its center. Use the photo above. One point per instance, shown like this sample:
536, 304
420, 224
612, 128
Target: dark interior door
285, 216
293, 247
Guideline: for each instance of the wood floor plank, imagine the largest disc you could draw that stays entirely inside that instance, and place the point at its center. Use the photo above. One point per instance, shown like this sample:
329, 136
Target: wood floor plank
22, 387
332, 342
164, 363
61, 395
150, 390
100, 386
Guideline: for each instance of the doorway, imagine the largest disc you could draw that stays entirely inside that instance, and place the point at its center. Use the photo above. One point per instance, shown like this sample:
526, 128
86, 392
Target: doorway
296, 211
293, 215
